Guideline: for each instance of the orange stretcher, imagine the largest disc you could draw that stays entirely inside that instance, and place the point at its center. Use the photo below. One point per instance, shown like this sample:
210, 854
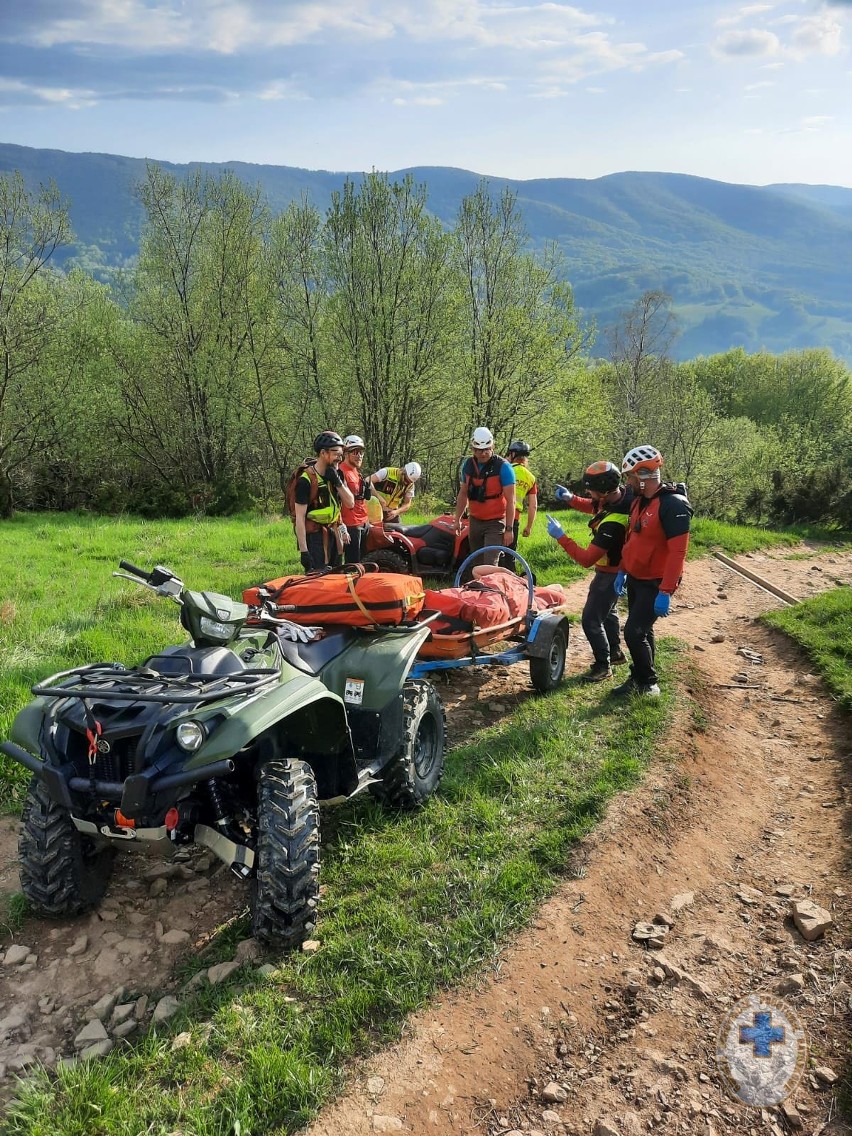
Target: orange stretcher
538, 633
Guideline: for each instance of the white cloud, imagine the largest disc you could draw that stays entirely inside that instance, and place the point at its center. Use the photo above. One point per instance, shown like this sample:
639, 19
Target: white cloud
818, 35
275, 92
595, 53
52, 96
405, 92
811, 124
751, 87
743, 14
228, 26
419, 101
748, 41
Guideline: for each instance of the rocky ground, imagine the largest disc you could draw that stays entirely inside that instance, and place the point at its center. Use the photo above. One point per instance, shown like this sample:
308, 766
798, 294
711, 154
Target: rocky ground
582, 1028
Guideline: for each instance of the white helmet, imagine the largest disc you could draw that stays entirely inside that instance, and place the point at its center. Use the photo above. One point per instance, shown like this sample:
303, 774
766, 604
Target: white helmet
642, 459
412, 471
353, 442
482, 438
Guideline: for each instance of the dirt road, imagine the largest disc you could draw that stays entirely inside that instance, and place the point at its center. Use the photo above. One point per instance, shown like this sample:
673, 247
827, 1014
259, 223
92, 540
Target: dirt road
580, 1026
749, 808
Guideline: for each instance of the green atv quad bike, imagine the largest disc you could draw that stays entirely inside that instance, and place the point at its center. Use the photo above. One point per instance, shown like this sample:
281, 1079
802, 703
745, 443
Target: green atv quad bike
229, 741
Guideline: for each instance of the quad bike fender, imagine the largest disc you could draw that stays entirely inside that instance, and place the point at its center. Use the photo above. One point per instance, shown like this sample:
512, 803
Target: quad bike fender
373, 669
402, 542
26, 728
540, 637
315, 721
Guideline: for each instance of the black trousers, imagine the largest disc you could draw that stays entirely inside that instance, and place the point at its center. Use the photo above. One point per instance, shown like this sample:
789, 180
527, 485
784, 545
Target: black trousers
357, 537
639, 628
600, 617
322, 546
509, 561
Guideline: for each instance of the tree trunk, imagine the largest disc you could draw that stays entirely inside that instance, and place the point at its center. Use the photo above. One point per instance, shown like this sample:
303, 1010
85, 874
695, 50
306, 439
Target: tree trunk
5, 494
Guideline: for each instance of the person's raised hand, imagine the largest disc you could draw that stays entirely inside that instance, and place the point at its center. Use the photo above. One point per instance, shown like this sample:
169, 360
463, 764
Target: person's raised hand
554, 528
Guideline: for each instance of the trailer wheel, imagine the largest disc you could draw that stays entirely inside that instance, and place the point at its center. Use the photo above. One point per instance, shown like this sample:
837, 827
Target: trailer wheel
286, 885
63, 871
546, 673
414, 772
387, 561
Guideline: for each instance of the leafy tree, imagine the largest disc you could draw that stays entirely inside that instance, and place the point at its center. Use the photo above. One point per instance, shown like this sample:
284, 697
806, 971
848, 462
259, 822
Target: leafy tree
388, 268
639, 355
519, 331
295, 389
79, 465
32, 228
188, 417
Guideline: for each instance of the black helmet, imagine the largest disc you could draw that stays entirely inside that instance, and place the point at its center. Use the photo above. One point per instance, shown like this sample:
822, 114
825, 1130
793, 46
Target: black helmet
602, 476
327, 440
519, 447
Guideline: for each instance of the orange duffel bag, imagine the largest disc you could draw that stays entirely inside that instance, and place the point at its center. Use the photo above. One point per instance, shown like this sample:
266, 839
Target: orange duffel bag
349, 596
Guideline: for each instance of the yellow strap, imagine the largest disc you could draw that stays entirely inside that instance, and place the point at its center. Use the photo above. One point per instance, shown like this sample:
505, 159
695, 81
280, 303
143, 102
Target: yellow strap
350, 584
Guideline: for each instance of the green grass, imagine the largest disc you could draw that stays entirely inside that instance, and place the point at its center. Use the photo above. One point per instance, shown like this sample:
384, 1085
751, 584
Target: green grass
823, 626
14, 909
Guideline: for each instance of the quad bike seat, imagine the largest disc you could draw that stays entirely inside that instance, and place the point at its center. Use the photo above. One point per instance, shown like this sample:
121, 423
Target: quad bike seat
184, 660
312, 657
434, 557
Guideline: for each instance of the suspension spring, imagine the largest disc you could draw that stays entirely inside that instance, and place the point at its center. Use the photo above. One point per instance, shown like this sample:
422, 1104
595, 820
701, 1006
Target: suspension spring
217, 800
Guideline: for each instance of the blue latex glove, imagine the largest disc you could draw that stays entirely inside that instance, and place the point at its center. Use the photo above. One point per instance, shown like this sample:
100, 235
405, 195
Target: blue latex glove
619, 584
554, 528
662, 604
563, 494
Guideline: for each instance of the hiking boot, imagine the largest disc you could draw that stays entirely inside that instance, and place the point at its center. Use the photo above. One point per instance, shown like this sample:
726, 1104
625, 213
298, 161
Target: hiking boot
597, 672
629, 686
617, 657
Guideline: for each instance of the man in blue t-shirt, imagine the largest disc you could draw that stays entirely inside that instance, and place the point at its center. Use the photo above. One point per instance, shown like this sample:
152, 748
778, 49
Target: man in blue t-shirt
488, 493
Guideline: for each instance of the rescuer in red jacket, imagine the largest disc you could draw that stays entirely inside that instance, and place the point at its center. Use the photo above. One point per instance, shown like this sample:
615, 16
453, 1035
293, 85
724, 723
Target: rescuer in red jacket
651, 561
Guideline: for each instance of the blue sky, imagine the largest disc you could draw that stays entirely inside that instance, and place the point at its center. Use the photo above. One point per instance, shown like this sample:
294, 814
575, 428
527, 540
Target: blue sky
755, 93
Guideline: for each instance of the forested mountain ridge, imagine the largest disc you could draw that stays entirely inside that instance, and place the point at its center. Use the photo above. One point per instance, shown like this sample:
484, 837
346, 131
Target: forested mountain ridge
758, 267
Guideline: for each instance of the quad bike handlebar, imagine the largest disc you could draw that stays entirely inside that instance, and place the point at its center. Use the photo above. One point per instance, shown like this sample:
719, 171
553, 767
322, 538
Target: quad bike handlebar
161, 580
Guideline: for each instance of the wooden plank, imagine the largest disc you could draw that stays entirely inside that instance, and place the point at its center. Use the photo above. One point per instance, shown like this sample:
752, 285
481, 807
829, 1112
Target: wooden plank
761, 581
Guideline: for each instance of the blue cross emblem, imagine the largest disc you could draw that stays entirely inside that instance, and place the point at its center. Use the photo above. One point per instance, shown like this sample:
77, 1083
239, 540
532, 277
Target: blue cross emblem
762, 1035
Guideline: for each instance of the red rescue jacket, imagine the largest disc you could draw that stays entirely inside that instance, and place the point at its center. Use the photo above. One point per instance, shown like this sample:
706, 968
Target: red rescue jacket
658, 537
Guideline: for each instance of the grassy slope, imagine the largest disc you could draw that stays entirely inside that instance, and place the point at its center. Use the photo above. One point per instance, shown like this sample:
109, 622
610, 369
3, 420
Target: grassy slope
823, 626
411, 903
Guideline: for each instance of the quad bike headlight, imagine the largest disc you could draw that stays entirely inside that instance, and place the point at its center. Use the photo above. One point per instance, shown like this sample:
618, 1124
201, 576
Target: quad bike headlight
213, 629
190, 736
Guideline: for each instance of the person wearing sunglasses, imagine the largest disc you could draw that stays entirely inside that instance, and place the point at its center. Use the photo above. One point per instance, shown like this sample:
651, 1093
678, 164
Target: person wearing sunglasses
361, 489
652, 561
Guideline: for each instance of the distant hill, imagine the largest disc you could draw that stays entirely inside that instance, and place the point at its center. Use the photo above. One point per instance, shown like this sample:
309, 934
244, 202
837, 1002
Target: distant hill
758, 267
